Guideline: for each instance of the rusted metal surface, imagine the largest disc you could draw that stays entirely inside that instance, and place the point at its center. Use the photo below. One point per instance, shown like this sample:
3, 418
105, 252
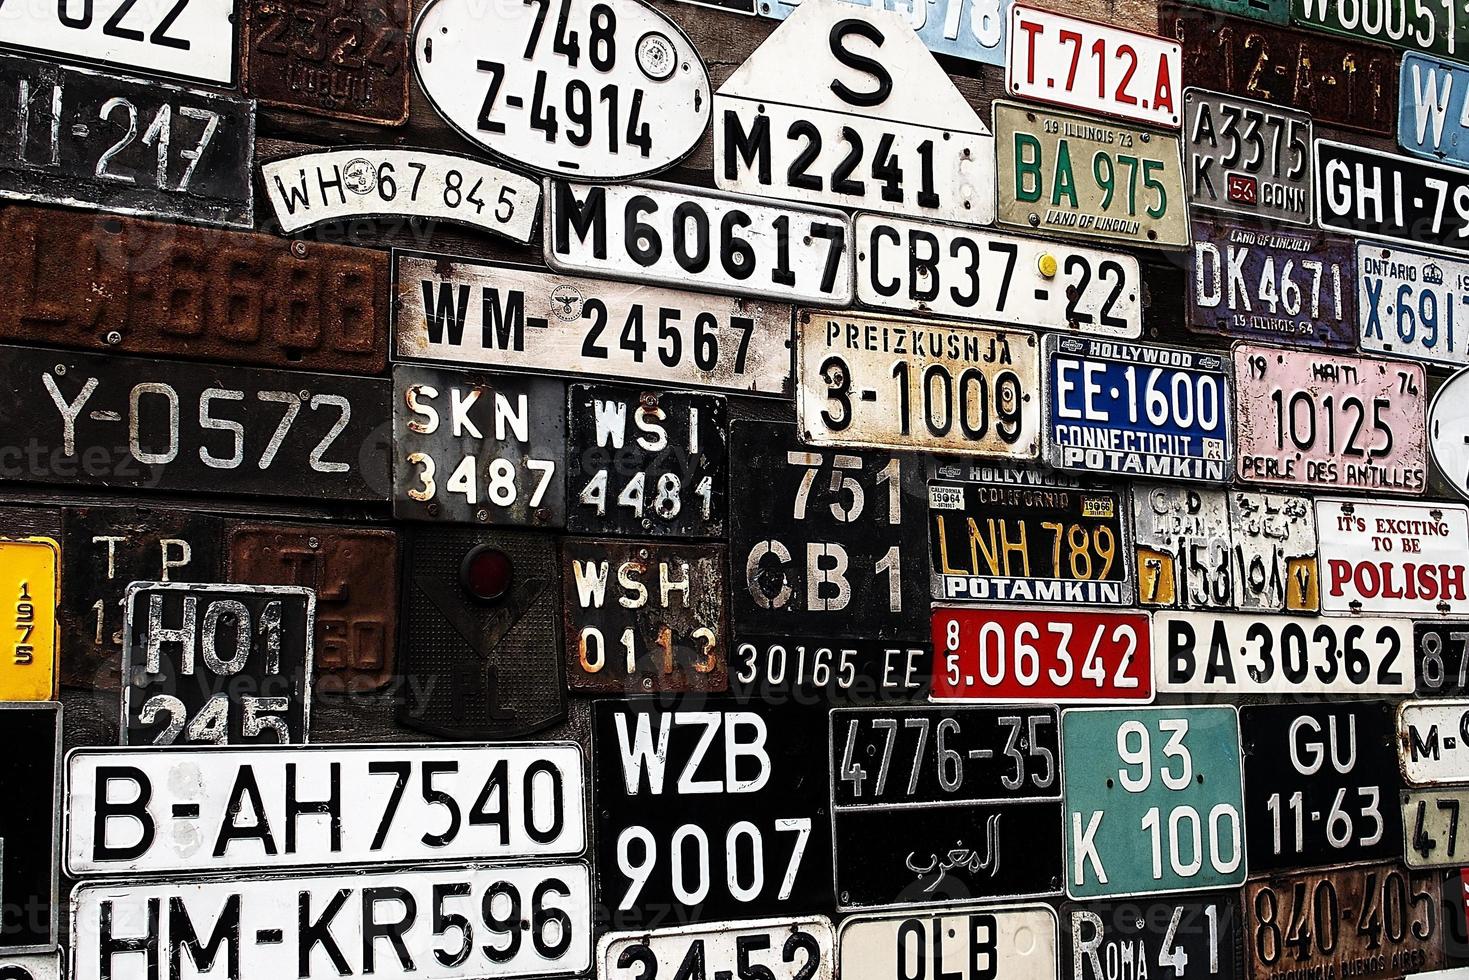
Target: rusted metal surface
132, 286
643, 616
102, 550
1339, 82
354, 571
1368, 922
347, 59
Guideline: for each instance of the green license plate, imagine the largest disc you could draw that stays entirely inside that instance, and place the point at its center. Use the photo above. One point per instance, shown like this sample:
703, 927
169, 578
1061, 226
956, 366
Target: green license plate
1268, 11
1153, 800
1089, 177
1430, 26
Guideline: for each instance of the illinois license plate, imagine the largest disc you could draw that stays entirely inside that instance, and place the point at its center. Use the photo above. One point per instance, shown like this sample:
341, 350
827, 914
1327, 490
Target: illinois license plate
973, 30
461, 312
1382, 919
1403, 558
1310, 418
1386, 195
83, 138
1437, 826
1321, 784
790, 949
1434, 740
1074, 175
1246, 157
1249, 653
1018, 943
1409, 302
917, 384
1432, 103
990, 543
969, 274
478, 448
1042, 654
546, 908
1094, 67
30, 590
1136, 410
1282, 284
1340, 82
142, 812
1154, 800
720, 242
928, 802
99, 420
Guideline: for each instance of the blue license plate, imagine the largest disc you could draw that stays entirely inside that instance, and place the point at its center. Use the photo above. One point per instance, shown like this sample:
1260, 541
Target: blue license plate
1283, 285
1413, 303
1136, 410
974, 30
1433, 97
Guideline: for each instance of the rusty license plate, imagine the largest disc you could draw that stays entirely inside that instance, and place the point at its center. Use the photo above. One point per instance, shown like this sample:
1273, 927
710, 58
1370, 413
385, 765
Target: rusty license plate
643, 616
342, 58
354, 571
1310, 418
478, 448
1284, 284
142, 287
102, 550
1339, 82
1370, 922
86, 138
917, 384
142, 423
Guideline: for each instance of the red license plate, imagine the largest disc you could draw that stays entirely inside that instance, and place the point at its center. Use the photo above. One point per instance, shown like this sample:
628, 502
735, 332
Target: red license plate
1051, 655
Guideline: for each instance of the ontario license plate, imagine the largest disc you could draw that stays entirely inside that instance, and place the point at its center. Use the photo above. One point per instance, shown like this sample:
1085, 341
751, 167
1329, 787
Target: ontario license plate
912, 788
818, 540
128, 286
1434, 740
1235, 654
1190, 937
915, 384
1154, 800
1339, 82
990, 543
1248, 158
84, 138
1393, 558
1136, 410
1409, 303
790, 949
217, 664
1042, 654
1381, 919
1018, 943
973, 30
478, 448
720, 242
315, 934
1126, 74
644, 614
1321, 784
187, 805
1280, 284
968, 274
1432, 122
1428, 204
461, 312
1074, 175
1437, 825
99, 420
1308, 418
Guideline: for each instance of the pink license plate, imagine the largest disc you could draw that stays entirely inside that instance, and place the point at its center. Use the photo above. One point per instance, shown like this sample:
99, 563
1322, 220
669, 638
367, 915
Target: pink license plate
1054, 655
1320, 419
